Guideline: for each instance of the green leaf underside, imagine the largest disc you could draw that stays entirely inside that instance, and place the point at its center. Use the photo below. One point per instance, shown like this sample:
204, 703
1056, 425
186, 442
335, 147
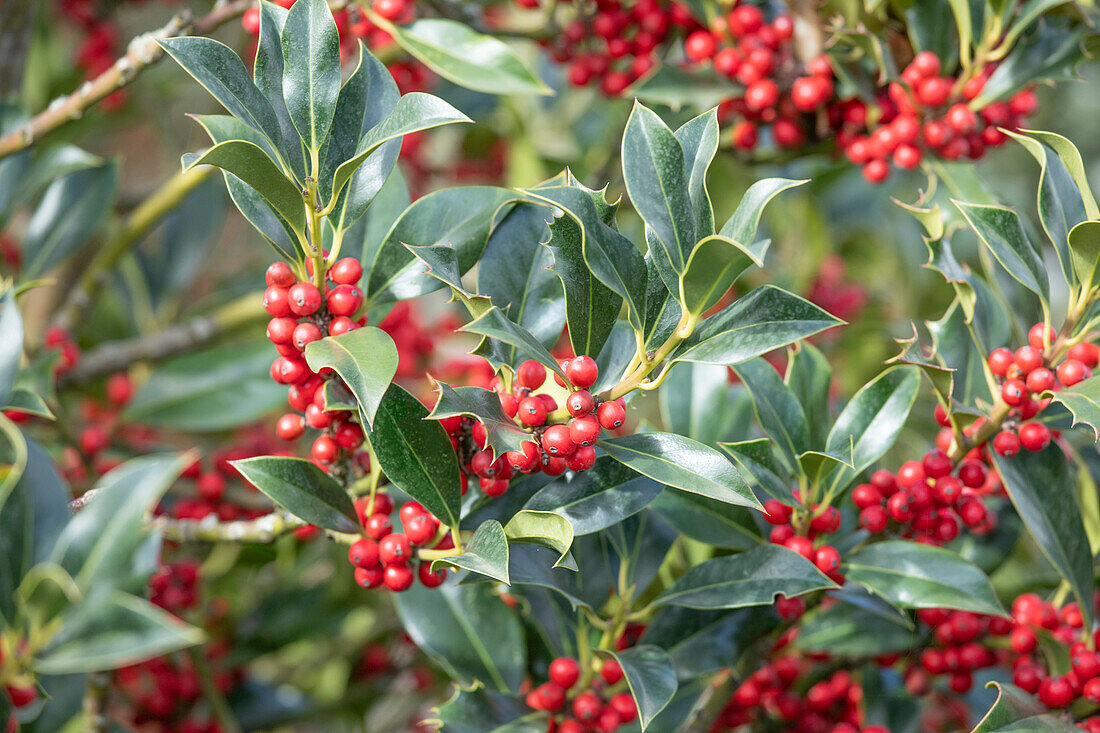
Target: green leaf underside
486, 552
366, 359
649, 675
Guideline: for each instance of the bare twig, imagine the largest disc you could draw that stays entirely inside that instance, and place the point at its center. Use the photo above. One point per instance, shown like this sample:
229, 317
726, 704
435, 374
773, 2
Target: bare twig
117, 355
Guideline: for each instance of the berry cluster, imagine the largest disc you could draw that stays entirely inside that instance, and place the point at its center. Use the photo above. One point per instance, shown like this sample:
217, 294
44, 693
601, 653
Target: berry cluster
387, 558
100, 44
614, 45
300, 316
801, 529
1026, 374
794, 694
174, 586
925, 112
596, 705
560, 446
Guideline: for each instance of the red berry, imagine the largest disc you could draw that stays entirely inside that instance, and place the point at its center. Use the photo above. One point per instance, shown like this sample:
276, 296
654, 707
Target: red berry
1006, 443
934, 91
394, 549
580, 403
421, 529
876, 171
369, 577
564, 672
530, 374
305, 334
557, 442
378, 526
1056, 692
1034, 436
761, 95
611, 415
532, 411
611, 672
584, 430
1014, 392
363, 553
1086, 353
277, 302
1072, 371
344, 300
744, 135
290, 427
1035, 335
346, 271
389, 9
325, 450
582, 459
428, 578
827, 559
907, 156
279, 275
281, 330
700, 45
790, 609
926, 64
865, 495
1000, 360
398, 577
582, 371
804, 546
1028, 358
1040, 380
776, 512
524, 460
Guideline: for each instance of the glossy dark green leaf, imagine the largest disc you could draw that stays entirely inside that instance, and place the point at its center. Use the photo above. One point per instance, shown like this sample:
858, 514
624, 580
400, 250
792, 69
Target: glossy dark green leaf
267, 72
663, 311
485, 553
468, 630
460, 217
413, 112
656, 180
590, 306
615, 357
1061, 206
483, 405
367, 235
698, 138
468, 58
742, 225
684, 463
641, 544
704, 642
71, 210
595, 499
1083, 401
761, 468
1050, 53
708, 520
751, 578
1018, 712
113, 631
765, 319
810, 377
311, 70
222, 73
209, 390
252, 165
871, 421
366, 359
303, 489
544, 528
610, 256
697, 401
495, 325
416, 454
1071, 159
535, 566
649, 674
49, 164
515, 273
847, 630
480, 710
914, 575
1041, 488
712, 269
957, 348
11, 344
98, 545
1084, 247
777, 408
1001, 230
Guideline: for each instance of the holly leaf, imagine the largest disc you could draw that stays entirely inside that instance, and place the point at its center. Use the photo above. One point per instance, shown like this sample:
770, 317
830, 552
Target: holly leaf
684, 463
1001, 230
777, 408
311, 70
303, 489
248, 162
755, 577
595, 499
1041, 488
495, 325
366, 359
484, 406
1083, 402
708, 520
762, 321
649, 674
543, 528
913, 575
416, 454
1016, 710
486, 553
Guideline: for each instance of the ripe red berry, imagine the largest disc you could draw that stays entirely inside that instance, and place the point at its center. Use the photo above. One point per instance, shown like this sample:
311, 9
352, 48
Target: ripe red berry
1014, 392
1006, 443
279, 275
761, 95
530, 374
344, 300
428, 578
827, 559
1035, 335
776, 512
804, 546
1072, 371
972, 511
584, 430
564, 672
277, 302
389, 9
810, 92
611, 672
532, 411
1040, 380
790, 609
876, 171
933, 92
341, 325
22, 695
378, 526
744, 135
899, 508
700, 45
325, 450
305, 298
305, 334
346, 271
556, 441
907, 156
582, 459
611, 415
1000, 360
394, 549
1056, 692
421, 529
582, 371
524, 460
290, 427
580, 403
363, 553
1028, 358
369, 577
1034, 436
1086, 353
281, 330
210, 486
398, 577
926, 64
865, 495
